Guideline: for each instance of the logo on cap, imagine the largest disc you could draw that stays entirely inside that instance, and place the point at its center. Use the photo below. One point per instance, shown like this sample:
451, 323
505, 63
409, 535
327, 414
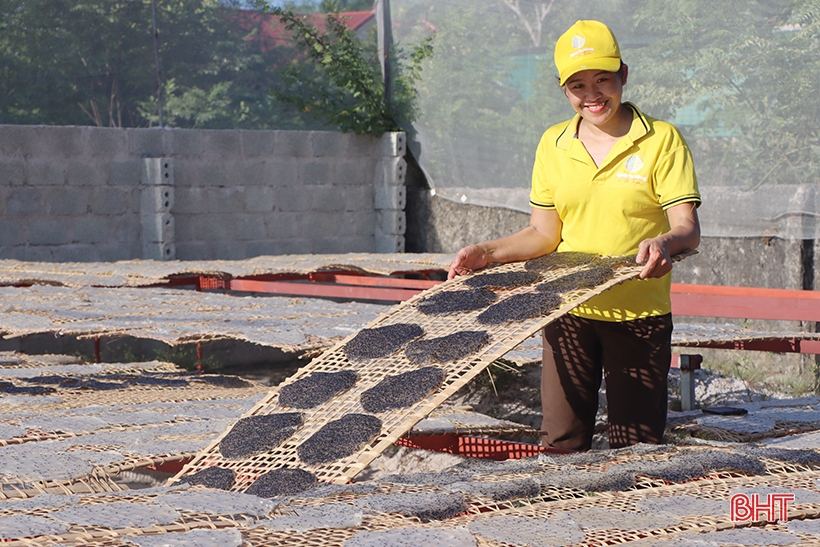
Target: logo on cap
578, 42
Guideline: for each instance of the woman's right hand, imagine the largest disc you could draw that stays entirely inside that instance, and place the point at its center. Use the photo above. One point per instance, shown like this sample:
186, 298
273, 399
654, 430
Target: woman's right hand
468, 260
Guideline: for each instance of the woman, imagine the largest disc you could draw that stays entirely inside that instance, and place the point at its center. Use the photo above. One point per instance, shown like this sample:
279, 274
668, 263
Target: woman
611, 181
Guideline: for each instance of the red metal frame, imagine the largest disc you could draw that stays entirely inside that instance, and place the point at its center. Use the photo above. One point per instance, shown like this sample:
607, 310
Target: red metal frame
329, 284
694, 361
745, 302
475, 447
750, 303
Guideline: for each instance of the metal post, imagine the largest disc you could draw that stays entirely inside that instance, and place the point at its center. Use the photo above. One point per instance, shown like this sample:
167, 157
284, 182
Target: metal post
688, 365
156, 60
385, 42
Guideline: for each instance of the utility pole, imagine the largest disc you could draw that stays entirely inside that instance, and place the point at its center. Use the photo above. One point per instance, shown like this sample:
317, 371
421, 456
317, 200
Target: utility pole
385, 42
156, 60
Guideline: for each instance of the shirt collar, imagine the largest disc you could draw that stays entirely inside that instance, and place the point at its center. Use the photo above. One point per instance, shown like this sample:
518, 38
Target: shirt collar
640, 127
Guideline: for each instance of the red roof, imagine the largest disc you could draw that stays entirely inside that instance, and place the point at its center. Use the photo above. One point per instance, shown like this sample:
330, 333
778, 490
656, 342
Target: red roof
272, 32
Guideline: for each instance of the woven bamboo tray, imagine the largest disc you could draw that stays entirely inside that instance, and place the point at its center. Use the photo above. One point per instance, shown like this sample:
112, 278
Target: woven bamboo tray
138, 273
704, 334
625, 503
395, 423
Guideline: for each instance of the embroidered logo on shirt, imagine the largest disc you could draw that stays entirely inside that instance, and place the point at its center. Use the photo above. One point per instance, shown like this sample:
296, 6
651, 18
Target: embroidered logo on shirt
632, 164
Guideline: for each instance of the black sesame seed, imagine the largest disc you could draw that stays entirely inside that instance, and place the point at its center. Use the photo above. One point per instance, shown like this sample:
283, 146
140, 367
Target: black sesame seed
502, 280
456, 301
90, 383
446, 349
316, 389
339, 438
158, 381
616, 261
212, 477
402, 390
257, 434
380, 341
11, 389
281, 482
519, 307
426, 506
53, 379
569, 259
585, 279
500, 491
223, 380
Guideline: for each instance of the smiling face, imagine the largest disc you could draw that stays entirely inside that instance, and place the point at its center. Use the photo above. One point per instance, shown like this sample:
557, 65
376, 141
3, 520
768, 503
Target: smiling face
596, 96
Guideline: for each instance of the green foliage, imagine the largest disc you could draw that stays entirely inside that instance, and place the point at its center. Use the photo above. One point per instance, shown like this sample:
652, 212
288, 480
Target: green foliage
338, 78
190, 107
313, 6
345, 5
488, 93
185, 356
468, 90
751, 69
80, 62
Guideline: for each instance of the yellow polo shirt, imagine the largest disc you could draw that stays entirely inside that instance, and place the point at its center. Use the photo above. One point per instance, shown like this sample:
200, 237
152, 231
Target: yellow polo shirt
610, 209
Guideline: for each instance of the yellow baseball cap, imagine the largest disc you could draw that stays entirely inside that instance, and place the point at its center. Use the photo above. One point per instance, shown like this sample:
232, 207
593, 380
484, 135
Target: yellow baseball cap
586, 45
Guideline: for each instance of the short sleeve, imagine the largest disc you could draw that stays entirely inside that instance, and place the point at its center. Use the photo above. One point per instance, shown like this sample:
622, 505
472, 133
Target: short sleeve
541, 196
675, 179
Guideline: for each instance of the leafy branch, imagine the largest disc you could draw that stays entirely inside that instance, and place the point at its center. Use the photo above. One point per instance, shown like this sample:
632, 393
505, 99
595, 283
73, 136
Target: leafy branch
336, 80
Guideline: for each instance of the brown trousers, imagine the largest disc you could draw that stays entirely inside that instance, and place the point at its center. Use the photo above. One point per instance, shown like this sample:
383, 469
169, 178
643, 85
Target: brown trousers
634, 357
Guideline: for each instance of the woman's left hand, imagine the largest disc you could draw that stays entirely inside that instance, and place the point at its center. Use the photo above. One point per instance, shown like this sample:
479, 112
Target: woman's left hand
655, 253
683, 235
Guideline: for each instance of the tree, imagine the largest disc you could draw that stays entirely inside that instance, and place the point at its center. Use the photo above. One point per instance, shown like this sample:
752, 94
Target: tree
345, 5
77, 62
751, 70
338, 79
534, 24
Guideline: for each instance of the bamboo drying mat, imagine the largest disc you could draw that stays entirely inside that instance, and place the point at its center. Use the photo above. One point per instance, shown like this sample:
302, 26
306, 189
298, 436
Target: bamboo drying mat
98, 536
92, 483
395, 423
540, 469
449, 421
12, 362
780, 429
168, 407
177, 316
626, 504
703, 334
75, 398
138, 273
99, 480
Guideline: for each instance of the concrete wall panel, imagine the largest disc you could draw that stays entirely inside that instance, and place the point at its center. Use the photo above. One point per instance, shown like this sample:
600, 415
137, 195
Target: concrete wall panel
25, 202
85, 174
88, 193
256, 143
107, 143
68, 201
12, 173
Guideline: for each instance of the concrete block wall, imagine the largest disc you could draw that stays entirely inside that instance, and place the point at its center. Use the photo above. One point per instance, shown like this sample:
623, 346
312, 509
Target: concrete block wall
391, 194
100, 194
